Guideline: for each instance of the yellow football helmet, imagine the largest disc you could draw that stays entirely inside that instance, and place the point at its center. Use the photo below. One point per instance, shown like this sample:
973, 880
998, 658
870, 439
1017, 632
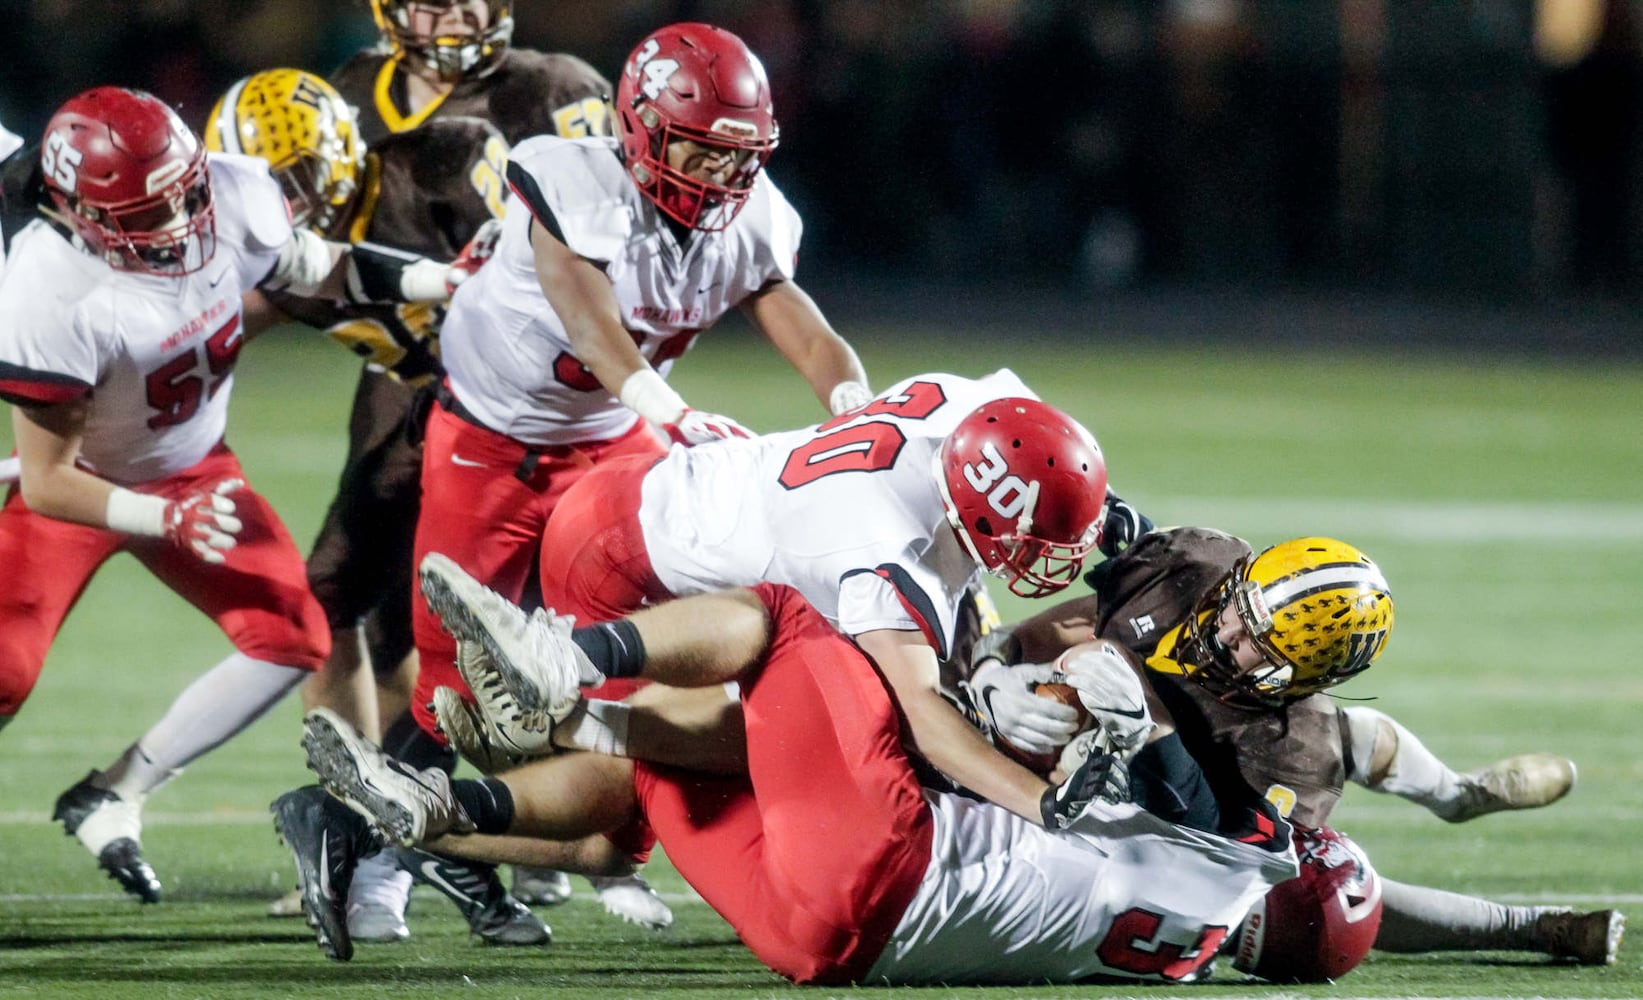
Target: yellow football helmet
473, 53
1317, 608
304, 129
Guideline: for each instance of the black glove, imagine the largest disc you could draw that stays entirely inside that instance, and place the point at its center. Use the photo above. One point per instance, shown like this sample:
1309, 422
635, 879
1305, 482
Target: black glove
1102, 776
1123, 526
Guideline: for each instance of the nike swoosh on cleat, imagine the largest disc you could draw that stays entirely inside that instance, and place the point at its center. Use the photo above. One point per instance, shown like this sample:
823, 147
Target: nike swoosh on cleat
430, 871
459, 460
325, 863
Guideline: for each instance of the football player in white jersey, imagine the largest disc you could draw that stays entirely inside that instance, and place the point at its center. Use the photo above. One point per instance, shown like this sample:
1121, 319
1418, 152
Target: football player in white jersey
882, 517
615, 255
829, 859
123, 324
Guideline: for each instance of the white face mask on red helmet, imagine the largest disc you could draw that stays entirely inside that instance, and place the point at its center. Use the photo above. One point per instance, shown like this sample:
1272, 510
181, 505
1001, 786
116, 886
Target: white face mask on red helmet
699, 83
130, 179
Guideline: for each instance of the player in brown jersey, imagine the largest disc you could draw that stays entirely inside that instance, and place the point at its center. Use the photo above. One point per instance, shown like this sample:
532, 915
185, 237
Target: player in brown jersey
427, 192
1224, 634
452, 57
442, 58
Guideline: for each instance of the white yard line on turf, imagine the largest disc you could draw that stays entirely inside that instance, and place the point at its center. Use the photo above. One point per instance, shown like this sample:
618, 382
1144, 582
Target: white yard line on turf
1455, 521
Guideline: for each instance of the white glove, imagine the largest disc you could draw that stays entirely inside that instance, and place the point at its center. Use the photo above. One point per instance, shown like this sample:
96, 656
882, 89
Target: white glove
204, 523
696, 427
1004, 695
1111, 691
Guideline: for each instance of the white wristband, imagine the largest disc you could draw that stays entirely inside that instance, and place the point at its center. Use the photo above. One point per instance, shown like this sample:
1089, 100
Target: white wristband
424, 281
136, 513
647, 394
304, 263
847, 396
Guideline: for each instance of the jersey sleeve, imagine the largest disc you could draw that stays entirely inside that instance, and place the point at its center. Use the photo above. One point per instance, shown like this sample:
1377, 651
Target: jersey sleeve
252, 216
566, 196
899, 597
49, 352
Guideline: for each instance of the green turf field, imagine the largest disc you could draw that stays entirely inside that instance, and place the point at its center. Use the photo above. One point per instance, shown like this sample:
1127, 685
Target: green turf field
1502, 501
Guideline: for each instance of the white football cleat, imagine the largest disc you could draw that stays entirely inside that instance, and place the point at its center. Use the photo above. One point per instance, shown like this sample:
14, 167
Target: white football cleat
406, 805
472, 735
631, 898
531, 676
540, 886
377, 899
1527, 781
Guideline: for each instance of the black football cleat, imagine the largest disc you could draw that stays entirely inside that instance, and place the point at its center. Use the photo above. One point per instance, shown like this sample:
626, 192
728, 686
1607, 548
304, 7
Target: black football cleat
493, 915
327, 839
121, 855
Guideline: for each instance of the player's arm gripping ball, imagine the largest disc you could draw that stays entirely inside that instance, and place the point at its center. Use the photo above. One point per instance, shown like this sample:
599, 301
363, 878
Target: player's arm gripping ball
1022, 706
1110, 690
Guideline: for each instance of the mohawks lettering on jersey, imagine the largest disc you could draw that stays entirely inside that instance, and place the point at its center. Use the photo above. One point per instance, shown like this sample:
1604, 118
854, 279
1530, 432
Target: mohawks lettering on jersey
195, 325
670, 317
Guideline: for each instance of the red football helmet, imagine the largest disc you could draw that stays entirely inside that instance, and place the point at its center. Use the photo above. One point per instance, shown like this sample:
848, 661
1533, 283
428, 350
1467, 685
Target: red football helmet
1320, 925
1024, 486
696, 83
130, 179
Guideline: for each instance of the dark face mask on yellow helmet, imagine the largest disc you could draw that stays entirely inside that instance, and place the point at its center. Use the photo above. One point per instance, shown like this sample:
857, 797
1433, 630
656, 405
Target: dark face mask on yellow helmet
1318, 610
413, 30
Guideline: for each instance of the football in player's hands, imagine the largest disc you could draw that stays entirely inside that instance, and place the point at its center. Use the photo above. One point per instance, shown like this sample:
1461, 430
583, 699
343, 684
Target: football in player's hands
1110, 689
1034, 723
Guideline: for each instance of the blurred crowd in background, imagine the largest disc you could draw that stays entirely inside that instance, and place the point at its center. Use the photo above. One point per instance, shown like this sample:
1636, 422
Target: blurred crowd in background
1480, 148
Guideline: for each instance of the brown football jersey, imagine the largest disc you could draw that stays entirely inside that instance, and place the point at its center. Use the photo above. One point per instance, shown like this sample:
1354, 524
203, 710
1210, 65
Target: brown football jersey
427, 192
1293, 755
22, 192
530, 93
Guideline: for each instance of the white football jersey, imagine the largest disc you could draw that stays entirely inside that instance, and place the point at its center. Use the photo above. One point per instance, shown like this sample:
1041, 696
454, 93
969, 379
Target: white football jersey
1119, 893
847, 512
505, 350
155, 354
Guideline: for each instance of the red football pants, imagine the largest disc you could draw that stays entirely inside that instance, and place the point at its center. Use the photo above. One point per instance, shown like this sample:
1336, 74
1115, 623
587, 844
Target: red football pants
814, 857
594, 564
258, 596
485, 504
